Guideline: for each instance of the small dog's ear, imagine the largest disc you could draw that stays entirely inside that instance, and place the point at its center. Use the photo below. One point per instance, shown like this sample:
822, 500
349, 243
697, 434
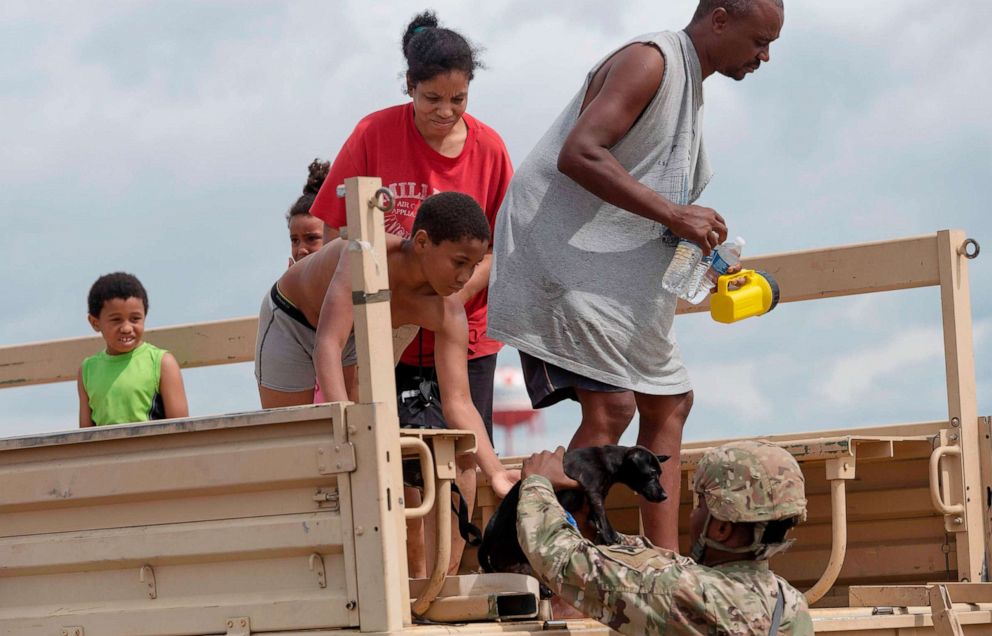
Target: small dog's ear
663, 458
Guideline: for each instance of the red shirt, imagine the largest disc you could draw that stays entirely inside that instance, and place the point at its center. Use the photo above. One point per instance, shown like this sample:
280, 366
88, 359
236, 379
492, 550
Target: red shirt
387, 144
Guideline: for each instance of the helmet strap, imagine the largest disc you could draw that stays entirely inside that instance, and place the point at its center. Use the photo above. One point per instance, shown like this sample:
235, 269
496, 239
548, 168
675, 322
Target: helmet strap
761, 550
699, 548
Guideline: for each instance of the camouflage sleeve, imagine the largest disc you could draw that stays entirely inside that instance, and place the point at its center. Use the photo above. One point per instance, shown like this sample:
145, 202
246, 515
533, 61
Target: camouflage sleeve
605, 583
800, 625
546, 536
634, 540
796, 619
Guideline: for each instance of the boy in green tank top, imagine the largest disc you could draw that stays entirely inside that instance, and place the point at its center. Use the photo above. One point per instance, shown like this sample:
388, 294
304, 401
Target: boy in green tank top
131, 380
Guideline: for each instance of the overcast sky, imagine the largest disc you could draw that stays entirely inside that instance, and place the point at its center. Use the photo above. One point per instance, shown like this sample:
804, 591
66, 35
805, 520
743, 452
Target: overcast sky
169, 138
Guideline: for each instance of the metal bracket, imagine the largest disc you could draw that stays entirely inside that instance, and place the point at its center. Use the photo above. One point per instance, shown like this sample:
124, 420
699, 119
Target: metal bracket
317, 565
841, 468
945, 621
367, 298
328, 499
238, 626
336, 458
72, 630
147, 576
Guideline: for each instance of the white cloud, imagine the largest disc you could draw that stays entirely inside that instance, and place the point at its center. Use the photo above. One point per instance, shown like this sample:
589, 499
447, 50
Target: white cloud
861, 374
732, 387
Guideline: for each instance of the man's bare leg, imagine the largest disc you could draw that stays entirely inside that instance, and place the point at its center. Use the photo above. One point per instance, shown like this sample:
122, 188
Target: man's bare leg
605, 416
662, 419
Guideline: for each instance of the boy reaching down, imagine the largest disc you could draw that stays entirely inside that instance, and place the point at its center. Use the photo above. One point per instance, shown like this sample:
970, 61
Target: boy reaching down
131, 380
305, 325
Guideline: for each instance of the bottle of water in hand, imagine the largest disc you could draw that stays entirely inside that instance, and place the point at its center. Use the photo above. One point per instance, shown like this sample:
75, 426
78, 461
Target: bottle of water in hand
680, 269
711, 268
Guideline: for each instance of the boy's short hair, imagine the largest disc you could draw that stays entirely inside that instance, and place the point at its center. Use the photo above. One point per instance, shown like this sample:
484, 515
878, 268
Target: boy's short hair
117, 285
451, 216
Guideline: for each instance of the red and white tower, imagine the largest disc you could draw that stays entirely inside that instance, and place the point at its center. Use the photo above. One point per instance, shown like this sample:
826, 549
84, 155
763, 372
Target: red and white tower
511, 405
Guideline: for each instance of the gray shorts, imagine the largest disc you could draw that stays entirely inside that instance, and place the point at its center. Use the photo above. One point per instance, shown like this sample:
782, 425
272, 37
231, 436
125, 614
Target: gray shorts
284, 346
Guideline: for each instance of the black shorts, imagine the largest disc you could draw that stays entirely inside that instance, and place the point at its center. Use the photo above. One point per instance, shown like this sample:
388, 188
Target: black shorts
481, 372
548, 384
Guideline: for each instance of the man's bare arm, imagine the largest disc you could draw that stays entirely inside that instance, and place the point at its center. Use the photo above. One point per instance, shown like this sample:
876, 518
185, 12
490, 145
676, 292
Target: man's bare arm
618, 94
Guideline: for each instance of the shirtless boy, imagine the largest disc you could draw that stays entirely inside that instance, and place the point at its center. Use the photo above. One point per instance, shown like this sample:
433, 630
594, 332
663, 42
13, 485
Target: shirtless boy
307, 318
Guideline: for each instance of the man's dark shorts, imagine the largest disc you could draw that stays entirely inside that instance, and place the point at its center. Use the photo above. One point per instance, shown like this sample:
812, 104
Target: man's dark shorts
548, 384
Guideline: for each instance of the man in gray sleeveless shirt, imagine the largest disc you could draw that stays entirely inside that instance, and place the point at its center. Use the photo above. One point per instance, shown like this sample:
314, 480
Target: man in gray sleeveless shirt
589, 225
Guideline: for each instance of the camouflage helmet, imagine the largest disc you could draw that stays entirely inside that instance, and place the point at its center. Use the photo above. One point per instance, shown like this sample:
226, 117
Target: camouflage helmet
751, 481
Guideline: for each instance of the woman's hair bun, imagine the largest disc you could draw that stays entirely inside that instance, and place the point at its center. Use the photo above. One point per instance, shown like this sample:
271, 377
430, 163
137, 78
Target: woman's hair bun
318, 172
431, 50
420, 22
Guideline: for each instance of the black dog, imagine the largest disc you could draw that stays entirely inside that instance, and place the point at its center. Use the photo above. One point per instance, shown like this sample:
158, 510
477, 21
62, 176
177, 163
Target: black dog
596, 469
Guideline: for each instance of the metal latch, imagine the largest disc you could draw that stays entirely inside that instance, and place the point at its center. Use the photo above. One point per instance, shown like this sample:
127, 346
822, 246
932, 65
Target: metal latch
328, 499
72, 630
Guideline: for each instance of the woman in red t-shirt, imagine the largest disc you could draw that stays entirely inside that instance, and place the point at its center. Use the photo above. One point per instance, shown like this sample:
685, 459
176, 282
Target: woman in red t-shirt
422, 147
419, 148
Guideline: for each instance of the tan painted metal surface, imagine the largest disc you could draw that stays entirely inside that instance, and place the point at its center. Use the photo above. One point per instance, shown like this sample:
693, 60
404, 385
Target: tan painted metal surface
217, 516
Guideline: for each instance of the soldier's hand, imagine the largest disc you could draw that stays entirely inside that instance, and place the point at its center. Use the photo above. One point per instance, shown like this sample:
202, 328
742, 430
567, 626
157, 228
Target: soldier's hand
703, 226
550, 465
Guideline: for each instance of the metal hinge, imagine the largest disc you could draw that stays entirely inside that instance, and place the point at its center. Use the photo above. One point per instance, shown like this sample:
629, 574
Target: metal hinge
73, 630
238, 626
336, 458
328, 499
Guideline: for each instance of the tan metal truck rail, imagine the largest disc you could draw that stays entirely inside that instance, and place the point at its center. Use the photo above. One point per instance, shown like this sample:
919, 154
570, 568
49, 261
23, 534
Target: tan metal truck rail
897, 513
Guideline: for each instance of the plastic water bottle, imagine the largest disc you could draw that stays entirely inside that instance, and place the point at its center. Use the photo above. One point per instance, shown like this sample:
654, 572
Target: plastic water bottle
720, 260
696, 280
680, 269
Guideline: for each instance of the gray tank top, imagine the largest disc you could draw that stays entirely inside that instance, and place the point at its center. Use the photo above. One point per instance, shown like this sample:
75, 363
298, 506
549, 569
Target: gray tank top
577, 282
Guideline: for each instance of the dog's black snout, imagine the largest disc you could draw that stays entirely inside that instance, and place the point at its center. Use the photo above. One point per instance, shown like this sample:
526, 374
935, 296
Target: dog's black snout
656, 496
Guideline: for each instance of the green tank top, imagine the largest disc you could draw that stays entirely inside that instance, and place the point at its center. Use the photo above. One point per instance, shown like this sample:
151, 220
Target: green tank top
124, 388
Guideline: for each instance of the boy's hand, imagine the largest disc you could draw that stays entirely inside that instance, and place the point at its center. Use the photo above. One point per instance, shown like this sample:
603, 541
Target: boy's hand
503, 481
550, 465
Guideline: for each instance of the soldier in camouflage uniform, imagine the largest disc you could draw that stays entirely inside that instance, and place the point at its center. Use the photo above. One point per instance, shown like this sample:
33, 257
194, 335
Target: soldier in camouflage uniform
750, 494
